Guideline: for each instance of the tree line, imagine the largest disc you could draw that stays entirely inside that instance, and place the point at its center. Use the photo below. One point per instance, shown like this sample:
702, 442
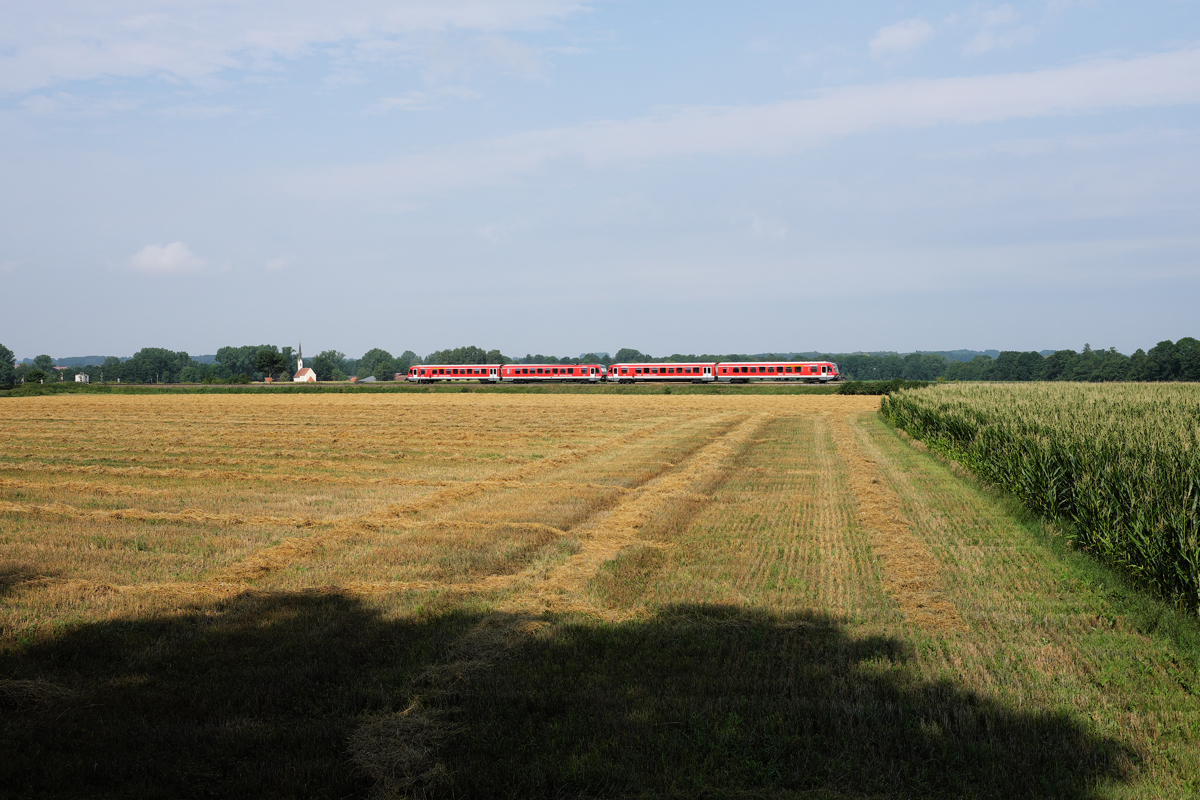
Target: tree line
1166, 361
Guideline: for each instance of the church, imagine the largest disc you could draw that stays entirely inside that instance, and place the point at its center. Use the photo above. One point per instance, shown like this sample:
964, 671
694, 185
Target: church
303, 374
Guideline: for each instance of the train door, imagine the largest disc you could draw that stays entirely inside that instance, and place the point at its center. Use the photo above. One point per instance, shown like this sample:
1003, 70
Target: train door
824, 369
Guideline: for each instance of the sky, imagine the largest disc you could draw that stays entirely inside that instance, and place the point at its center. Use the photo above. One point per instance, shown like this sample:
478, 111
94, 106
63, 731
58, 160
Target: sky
566, 176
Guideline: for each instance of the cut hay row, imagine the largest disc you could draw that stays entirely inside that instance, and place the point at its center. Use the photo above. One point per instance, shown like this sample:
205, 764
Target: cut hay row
233, 476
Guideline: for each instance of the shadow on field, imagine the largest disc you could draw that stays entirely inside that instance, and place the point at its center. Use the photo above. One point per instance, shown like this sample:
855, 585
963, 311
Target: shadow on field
258, 697
716, 701
252, 697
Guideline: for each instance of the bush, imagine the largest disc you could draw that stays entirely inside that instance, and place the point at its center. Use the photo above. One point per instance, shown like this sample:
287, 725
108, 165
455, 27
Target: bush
880, 387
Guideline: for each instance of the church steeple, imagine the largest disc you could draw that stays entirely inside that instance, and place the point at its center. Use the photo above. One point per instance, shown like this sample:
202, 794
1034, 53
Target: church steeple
300, 356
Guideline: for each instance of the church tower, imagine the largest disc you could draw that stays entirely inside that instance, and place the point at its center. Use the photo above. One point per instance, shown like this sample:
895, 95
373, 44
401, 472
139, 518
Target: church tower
303, 374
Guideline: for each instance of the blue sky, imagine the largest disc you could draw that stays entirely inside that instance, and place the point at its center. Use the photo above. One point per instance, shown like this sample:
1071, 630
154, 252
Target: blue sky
561, 176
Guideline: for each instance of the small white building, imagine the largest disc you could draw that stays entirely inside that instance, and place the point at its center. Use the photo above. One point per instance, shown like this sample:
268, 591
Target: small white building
82, 377
303, 373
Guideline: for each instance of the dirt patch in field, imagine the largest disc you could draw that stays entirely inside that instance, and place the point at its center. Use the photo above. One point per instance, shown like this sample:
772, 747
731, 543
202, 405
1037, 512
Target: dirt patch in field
911, 574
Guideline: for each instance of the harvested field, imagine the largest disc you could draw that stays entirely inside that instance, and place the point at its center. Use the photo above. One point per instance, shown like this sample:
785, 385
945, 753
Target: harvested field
524, 595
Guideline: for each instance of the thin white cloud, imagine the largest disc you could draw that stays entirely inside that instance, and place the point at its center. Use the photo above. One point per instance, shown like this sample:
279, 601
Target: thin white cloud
900, 38
9, 266
276, 264
172, 259
47, 42
421, 100
409, 101
193, 111
766, 228
1162, 79
999, 28
64, 105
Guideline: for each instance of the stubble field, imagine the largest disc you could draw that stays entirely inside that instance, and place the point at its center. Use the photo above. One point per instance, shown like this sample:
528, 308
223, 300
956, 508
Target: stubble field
554, 595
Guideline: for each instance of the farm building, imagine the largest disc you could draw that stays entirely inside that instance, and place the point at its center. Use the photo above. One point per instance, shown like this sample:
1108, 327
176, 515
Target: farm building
81, 377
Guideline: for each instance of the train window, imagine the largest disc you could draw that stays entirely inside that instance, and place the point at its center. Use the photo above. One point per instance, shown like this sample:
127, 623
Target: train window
539, 371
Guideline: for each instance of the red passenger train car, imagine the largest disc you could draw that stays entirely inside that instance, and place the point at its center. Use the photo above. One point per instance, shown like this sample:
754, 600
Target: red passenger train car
725, 372
656, 373
438, 373
553, 373
804, 371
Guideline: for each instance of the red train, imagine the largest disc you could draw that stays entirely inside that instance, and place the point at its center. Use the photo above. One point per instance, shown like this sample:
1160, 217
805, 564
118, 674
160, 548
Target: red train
726, 372
509, 373
668, 372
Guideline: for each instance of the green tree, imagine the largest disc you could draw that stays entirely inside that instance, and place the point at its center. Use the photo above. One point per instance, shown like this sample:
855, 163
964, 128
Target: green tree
1060, 365
1188, 350
238, 360
8, 372
154, 365
269, 361
35, 376
44, 362
459, 355
328, 364
1164, 361
370, 360
922, 366
628, 355
405, 361
385, 369
110, 370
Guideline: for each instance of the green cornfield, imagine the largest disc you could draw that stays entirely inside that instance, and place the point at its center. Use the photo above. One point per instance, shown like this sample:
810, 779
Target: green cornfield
1119, 462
